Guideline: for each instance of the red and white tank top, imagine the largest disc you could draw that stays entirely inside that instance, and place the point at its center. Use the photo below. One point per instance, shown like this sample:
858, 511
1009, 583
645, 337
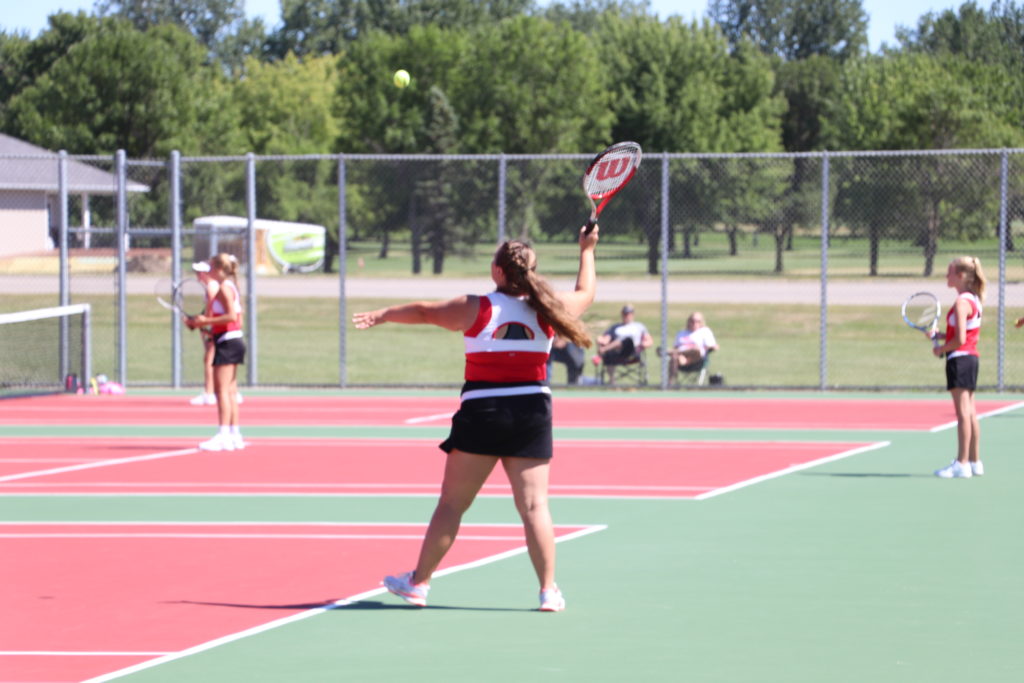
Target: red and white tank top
217, 308
508, 343
973, 325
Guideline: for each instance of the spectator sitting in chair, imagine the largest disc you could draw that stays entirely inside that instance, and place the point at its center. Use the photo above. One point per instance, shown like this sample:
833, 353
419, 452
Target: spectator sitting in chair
692, 345
622, 342
564, 351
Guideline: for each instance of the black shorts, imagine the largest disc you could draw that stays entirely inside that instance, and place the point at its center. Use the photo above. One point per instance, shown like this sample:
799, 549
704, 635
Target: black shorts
503, 426
230, 352
962, 372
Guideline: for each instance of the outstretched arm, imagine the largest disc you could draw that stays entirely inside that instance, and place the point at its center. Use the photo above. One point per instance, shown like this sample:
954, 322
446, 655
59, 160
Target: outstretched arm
454, 314
577, 301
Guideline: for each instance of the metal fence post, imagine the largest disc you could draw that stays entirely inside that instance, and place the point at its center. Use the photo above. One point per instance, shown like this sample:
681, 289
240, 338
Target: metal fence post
174, 171
64, 294
823, 358
342, 274
663, 365
250, 276
1004, 172
502, 176
122, 266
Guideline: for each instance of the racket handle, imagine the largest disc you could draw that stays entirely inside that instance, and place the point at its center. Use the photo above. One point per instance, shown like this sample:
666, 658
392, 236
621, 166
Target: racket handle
591, 222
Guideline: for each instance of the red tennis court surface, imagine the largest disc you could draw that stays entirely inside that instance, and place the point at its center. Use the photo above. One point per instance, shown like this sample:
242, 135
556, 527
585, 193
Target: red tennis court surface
691, 412
644, 469
83, 600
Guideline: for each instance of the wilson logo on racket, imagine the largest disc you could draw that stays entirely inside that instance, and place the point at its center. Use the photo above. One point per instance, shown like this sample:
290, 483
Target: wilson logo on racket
612, 168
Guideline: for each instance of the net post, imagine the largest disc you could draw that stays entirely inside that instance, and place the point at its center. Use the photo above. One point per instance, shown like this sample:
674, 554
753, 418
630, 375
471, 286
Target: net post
86, 345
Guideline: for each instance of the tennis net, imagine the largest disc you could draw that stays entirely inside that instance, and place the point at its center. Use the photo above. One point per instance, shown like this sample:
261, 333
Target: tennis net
45, 350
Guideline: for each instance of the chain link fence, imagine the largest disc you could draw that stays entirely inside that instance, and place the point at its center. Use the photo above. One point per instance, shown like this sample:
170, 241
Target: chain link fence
798, 261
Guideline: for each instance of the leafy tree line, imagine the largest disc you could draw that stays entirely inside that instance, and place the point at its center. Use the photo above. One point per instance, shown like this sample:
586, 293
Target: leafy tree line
515, 76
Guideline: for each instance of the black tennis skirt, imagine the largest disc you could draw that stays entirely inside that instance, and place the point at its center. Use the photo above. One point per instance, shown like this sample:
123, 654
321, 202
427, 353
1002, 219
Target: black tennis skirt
517, 426
230, 352
962, 372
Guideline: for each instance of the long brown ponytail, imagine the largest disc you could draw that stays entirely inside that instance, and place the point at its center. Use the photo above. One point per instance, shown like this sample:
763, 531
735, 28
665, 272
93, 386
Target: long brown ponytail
518, 261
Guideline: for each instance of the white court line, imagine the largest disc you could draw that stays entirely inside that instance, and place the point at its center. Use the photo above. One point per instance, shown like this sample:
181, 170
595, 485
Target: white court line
790, 470
288, 537
100, 463
209, 645
61, 653
982, 416
428, 418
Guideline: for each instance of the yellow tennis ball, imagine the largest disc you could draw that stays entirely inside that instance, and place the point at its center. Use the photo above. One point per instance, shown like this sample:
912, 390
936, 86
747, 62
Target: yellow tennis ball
401, 78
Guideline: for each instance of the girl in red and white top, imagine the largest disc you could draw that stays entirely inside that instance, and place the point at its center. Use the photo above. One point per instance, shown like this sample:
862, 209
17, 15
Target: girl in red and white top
505, 413
224, 318
963, 325
207, 397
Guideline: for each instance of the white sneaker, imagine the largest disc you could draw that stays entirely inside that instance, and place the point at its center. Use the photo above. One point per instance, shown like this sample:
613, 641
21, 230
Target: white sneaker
552, 600
977, 469
403, 587
954, 470
204, 399
239, 444
238, 399
221, 442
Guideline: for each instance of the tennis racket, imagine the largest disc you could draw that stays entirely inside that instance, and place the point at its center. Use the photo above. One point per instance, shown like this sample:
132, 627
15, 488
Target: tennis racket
187, 297
609, 172
921, 311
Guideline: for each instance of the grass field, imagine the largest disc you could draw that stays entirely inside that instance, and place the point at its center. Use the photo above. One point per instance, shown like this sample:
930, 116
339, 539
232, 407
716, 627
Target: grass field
771, 346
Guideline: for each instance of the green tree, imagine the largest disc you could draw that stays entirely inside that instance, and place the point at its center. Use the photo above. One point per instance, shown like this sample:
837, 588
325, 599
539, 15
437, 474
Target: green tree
208, 20
795, 29
907, 101
318, 27
23, 60
118, 88
679, 88
286, 107
585, 15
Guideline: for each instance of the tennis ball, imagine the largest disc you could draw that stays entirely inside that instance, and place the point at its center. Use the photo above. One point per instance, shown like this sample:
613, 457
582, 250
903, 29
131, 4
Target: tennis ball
401, 78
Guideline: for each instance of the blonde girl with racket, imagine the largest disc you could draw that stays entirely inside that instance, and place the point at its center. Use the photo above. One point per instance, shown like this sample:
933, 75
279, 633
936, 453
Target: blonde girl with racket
960, 347
207, 397
224, 318
505, 413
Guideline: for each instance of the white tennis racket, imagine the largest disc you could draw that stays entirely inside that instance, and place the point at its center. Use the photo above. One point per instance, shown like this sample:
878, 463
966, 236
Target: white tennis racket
921, 311
187, 297
609, 172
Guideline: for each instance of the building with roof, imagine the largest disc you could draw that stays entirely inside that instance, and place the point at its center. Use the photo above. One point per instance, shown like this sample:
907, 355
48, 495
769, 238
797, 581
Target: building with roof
29, 199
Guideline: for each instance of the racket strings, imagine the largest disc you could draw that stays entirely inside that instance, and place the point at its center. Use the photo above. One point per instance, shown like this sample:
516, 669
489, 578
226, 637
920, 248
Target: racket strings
190, 297
921, 311
611, 171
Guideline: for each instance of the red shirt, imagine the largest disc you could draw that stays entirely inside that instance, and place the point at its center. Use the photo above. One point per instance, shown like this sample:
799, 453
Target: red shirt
973, 325
508, 341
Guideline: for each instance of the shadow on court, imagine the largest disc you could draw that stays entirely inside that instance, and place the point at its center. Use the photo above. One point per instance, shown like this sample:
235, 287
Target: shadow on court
863, 475
369, 605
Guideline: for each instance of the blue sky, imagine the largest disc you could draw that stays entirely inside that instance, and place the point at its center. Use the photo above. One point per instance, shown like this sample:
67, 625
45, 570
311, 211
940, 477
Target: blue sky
883, 15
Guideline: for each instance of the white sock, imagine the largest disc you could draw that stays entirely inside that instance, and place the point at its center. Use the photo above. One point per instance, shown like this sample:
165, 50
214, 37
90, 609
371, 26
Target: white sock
236, 430
224, 430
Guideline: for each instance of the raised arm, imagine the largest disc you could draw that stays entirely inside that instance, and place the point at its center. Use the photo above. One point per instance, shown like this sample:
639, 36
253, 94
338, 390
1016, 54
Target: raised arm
454, 314
578, 300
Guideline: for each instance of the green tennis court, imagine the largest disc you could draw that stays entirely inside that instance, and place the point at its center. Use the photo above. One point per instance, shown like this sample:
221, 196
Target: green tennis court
710, 537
